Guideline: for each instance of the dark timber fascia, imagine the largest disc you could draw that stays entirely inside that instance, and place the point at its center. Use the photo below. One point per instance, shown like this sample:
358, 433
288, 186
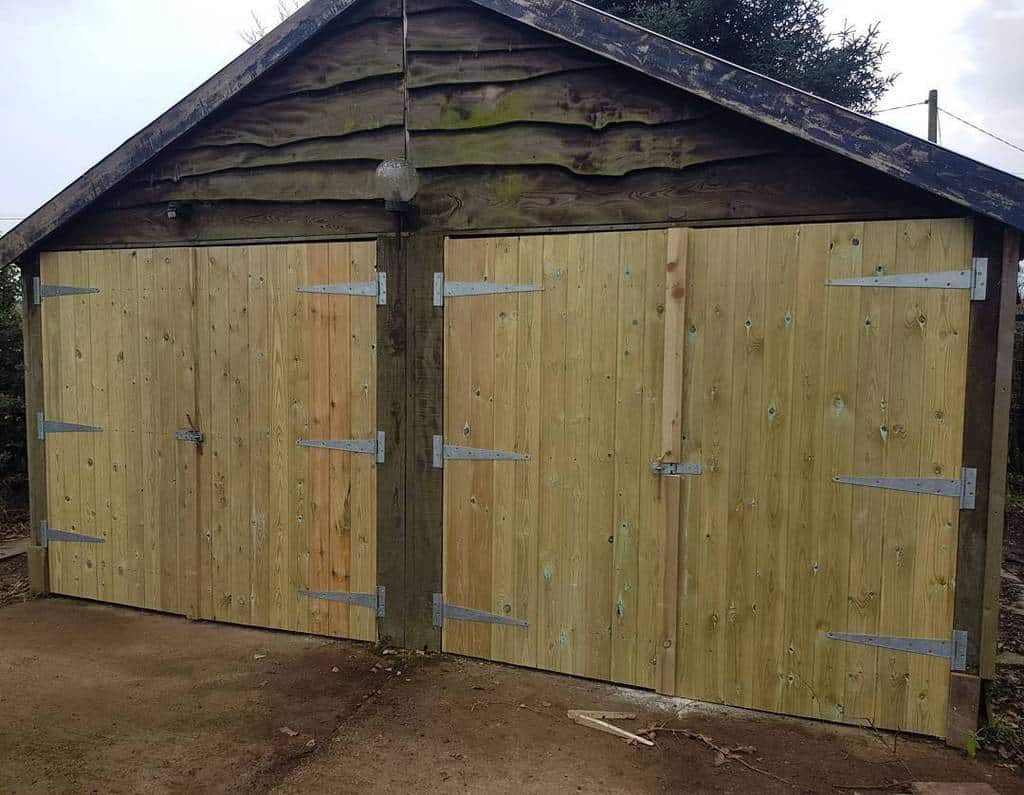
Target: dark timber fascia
984, 189
271, 50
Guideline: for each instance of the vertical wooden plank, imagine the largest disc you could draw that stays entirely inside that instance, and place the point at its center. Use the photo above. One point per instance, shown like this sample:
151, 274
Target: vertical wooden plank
280, 443
799, 696
671, 433
136, 495
717, 396
363, 396
186, 455
553, 639
871, 422
835, 509
85, 405
341, 525
321, 309
36, 358
166, 287
424, 484
628, 449
600, 508
261, 462
99, 471
903, 455
206, 495
527, 423
747, 337
778, 416
297, 373
651, 540
392, 372
120, 408
505, 523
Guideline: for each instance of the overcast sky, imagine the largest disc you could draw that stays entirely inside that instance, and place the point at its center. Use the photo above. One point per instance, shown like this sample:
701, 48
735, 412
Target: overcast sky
81, 76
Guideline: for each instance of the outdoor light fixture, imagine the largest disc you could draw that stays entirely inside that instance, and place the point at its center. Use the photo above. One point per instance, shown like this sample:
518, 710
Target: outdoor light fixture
397, 181
179, 211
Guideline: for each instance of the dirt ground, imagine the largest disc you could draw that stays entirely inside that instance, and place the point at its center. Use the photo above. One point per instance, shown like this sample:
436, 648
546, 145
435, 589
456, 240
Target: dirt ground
102, 699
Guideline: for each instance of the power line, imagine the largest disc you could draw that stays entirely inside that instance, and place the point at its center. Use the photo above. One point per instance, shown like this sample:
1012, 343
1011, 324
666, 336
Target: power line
899, 107
983, 131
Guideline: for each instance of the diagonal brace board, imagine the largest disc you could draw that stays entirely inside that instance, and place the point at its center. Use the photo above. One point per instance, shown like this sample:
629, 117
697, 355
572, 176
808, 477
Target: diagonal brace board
974, 279
374, 601
377, 289
446, 612
445, 289
41, 291
48, 534
965, 489
375, 447
45, 427
954, 650
452, 452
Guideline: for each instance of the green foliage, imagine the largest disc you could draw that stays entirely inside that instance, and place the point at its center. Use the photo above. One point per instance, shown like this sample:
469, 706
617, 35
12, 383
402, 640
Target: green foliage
12, 376
784, 39
991, 734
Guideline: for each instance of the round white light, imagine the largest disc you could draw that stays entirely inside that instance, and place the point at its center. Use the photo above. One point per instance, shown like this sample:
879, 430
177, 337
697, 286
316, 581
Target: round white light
397, 181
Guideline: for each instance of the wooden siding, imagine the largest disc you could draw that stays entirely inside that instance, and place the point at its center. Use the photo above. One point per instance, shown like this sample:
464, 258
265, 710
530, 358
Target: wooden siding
511, 129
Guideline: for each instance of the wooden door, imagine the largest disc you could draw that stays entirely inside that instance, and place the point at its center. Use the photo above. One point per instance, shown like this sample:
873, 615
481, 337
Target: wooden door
122, 360
571, 541
278, 366
789, 383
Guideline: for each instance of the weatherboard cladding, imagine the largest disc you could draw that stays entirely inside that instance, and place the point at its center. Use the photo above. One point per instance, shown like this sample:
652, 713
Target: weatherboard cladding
565, 117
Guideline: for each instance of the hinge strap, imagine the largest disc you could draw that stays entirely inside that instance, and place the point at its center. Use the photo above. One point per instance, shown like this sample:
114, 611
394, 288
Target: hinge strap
48, 534
377, 289
677, 470
189, 436
42, 291
445, 289
45, 427
375, 447
374, 601
965, 489
974, 279
445, 612
451, 452
954, 650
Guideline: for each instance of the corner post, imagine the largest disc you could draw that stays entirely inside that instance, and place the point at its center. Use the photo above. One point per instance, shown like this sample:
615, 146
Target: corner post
424, 256
391, 418
985, 444
32, 337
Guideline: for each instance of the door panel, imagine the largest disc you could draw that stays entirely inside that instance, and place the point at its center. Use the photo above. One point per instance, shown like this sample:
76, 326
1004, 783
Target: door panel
789, 383
122, 360
279, 366
571, 540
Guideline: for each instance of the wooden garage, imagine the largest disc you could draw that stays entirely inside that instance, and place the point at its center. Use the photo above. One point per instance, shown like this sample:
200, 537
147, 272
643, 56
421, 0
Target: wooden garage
655, 371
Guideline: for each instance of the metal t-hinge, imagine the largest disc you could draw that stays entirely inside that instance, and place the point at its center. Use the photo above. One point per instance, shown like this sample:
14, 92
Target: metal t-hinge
48, 534
374, 601
974, 279
45, 427
377, 289
375, 447
42, 291
451, 452
954, 649
677, 470
446, 612
445, 289
965, 489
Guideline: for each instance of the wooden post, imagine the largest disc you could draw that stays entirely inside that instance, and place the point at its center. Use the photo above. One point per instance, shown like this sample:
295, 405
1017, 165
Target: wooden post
424, 256
986, 429
933, 116
32, 336
392, 414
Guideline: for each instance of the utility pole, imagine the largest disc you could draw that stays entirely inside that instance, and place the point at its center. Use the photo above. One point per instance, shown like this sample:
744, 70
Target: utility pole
933, 116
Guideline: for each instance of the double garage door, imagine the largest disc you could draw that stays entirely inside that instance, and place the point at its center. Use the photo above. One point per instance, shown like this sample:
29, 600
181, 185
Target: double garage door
573, 365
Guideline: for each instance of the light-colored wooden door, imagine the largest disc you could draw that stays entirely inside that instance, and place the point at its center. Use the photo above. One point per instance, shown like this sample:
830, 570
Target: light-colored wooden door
572, 540
278, 366
123, 360
789, 383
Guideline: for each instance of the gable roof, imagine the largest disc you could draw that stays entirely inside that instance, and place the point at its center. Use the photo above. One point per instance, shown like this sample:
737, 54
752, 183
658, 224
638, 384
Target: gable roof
981, 188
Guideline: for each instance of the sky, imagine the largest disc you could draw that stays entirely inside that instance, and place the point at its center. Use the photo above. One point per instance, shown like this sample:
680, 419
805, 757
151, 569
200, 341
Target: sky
79, 77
